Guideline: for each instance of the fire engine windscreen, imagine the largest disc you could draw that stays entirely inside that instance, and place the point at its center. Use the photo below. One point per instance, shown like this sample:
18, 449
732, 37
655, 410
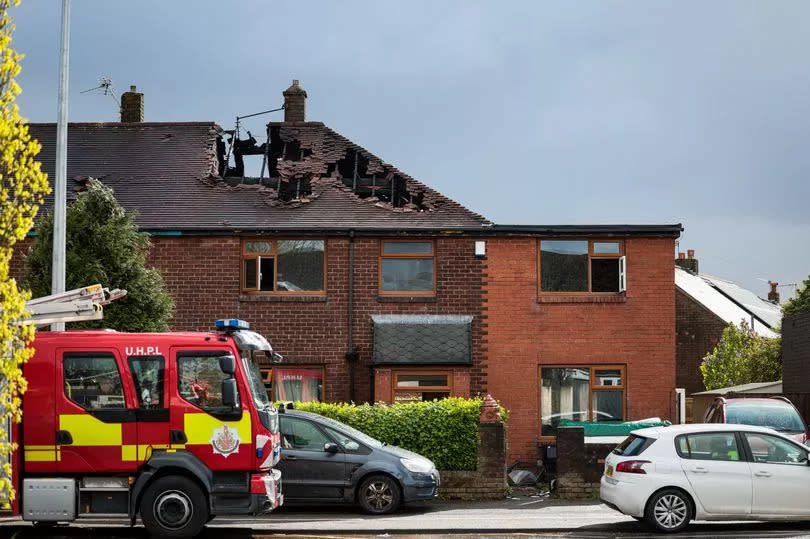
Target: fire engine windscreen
256, 384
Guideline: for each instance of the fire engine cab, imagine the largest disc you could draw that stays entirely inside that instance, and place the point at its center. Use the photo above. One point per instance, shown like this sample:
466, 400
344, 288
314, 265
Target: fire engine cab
174, 428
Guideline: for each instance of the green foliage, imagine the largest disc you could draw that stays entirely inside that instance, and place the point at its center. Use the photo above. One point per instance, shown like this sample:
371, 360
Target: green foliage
445, 431
104, 246
742, 357
801, 303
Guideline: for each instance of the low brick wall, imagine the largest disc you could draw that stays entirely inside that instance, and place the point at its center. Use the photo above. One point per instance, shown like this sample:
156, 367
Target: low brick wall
488, 481
579, 465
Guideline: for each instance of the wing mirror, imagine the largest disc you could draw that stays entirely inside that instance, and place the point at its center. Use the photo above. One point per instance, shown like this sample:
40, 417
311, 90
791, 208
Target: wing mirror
229, 393
330, 447
227, 364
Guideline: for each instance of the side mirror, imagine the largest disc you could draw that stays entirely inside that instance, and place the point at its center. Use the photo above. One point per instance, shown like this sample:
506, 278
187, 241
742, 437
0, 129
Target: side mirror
229, 393
227, 364
330, 447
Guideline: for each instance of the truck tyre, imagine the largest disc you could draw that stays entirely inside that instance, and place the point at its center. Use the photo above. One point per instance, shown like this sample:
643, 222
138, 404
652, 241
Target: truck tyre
174, 506
379, 495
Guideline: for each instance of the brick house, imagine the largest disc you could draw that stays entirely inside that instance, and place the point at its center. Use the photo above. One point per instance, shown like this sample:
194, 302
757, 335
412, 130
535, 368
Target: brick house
705, 306
375, 287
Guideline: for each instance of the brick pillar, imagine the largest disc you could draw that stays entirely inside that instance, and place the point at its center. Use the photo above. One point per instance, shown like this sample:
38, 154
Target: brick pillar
571, 462
382, 385
132, 106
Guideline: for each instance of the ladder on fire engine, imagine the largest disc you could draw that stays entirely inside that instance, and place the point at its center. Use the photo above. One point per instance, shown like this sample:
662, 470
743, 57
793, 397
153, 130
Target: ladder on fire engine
78, 305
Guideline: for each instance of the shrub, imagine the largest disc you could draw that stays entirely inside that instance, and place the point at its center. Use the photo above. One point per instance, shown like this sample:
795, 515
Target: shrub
445, 431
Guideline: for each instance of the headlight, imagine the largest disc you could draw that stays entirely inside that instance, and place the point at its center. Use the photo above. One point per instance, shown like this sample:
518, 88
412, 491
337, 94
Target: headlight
418, 466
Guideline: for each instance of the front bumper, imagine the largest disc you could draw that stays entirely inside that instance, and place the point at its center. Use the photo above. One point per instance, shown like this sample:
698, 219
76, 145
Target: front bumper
265, 491
420, 486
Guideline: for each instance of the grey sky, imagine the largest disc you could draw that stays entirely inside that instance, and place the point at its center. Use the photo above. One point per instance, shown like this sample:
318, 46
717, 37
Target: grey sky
528, 112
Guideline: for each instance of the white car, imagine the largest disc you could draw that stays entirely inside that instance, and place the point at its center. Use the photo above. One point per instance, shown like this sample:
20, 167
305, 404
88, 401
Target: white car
668, 476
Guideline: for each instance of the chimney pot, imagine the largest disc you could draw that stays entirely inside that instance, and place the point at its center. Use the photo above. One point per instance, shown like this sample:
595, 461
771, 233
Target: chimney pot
687, 261
131, 106
690, 253
773, 295
681, 256
295, 101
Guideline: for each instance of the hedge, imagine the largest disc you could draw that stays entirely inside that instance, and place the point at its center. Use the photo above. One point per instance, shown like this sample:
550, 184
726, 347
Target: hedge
445, 431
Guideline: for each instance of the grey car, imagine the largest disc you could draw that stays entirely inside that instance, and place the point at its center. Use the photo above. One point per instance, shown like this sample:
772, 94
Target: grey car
323, 460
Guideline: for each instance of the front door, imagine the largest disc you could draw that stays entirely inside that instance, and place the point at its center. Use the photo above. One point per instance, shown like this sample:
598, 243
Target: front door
780, 475
218, 434
96, 416
719, 475
307, 470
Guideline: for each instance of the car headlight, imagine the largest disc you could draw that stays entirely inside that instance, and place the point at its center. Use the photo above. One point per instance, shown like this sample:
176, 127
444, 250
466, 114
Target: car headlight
417, 465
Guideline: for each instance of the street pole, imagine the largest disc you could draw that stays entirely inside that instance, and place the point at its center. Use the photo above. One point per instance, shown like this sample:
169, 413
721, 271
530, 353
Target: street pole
60, 181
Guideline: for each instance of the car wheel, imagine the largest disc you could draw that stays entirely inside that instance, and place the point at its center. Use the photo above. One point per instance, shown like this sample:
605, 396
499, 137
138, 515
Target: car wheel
669, 510
174, 506
379, 495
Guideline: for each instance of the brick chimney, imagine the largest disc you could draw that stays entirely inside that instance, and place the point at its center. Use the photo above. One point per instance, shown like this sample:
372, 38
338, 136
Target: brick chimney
773, 295
131, 106
687, 261
295, 102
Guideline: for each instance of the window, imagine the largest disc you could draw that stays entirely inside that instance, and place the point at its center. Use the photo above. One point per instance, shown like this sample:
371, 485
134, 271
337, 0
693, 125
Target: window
582, 266
301, 435
348, 444
148, 374
415, 387
407, 267
199, 380
283, 266
708, 446
92, 381
772, 450
633, 446
294, 384
580, 394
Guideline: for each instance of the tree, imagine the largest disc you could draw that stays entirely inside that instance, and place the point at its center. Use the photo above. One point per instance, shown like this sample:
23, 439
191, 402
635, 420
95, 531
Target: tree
742, 357
801, 303
104, 246
22, 188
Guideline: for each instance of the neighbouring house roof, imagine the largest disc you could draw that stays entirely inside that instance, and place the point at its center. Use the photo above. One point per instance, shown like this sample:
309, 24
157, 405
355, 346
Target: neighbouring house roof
752, 389
170, 174
706, 291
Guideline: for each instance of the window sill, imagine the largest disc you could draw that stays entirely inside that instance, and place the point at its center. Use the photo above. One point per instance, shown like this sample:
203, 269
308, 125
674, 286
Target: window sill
562, 298
291, 299
406, 299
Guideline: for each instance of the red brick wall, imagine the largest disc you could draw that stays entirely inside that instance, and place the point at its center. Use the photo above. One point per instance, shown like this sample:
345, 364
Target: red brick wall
202, 274
697, 332
523, 334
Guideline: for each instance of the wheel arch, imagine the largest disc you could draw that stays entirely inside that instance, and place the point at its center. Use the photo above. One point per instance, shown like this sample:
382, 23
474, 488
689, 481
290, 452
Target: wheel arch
162, 464
689, 498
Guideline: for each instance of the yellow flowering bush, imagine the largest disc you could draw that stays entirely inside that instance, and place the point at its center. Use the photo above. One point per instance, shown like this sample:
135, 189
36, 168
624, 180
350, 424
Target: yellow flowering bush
22, 189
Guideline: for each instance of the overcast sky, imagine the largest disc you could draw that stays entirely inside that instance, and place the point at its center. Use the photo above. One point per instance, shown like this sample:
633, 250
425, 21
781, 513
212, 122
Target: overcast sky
528, 112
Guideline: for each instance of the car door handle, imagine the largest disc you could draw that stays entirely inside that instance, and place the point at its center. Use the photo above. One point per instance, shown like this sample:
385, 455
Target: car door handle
288, 457
63, 437
762, 474
177, 437
700, 469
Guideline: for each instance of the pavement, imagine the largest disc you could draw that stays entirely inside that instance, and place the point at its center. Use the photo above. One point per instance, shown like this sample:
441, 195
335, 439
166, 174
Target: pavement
519, 516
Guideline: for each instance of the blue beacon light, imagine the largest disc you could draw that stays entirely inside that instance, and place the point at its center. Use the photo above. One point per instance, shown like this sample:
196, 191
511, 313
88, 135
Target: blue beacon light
231, 323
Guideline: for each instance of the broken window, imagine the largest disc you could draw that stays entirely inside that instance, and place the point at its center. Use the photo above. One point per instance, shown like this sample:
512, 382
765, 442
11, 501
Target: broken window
577, 266
289, 265
407, 267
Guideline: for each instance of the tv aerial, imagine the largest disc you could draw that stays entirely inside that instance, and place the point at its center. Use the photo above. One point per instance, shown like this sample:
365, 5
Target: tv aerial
105, 87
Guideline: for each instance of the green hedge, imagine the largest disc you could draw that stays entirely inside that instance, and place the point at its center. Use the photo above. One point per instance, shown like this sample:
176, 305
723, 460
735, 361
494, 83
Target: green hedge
445, 431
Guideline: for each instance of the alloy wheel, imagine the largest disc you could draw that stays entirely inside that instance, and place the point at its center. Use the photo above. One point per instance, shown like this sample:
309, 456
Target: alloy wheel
670, 511
379, 495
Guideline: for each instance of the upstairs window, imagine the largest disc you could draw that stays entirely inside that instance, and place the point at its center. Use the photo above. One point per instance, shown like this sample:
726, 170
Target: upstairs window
407, 268
582, 266
283, 266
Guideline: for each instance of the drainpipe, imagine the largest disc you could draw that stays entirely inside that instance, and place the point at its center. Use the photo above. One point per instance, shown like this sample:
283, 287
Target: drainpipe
351, 353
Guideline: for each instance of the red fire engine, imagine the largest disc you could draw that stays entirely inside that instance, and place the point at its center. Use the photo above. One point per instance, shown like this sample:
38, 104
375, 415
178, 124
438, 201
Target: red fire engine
174, 427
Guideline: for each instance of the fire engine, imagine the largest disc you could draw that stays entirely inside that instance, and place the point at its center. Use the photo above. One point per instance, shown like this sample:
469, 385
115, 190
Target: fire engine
175, 428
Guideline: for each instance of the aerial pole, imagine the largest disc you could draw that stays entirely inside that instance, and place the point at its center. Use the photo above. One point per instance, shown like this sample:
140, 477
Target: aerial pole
60, 180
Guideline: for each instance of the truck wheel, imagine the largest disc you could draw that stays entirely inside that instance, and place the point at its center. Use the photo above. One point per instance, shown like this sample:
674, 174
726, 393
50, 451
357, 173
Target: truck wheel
174, 506
379, 495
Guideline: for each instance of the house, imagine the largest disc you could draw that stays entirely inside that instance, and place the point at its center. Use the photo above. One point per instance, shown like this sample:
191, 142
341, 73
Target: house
374, 286
705, 306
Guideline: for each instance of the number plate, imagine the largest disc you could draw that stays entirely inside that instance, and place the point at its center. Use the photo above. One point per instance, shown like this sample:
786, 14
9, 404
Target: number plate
609, 471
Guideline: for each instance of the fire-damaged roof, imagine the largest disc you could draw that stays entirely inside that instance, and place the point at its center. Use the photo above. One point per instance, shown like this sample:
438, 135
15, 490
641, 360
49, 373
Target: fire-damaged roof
170, 173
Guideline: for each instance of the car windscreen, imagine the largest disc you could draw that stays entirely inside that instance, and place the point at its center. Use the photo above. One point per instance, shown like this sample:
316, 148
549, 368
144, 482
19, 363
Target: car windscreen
778, 416
633, 445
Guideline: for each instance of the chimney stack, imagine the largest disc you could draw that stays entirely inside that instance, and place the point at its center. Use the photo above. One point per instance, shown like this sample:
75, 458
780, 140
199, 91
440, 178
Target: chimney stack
773, 295
688, 261
131, 106
295, 101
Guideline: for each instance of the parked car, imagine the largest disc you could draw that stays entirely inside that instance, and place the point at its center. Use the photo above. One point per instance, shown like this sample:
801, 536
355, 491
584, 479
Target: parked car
777, 413
323, 460
668, 476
